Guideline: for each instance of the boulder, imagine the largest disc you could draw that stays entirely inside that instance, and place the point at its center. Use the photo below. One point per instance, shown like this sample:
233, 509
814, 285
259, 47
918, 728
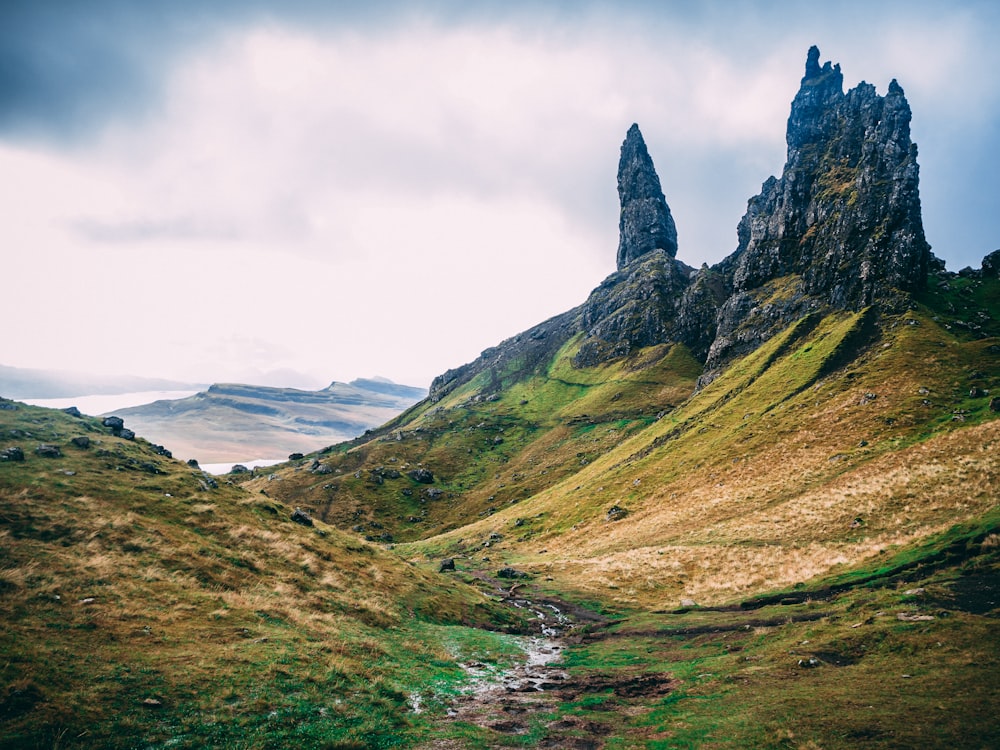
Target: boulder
73, 411
991, 265
423, 476
239, 469
447, 564
295, 456
511, 573
48, 451
126, 434
14, 453
616, 513
81, 441
115, 424
300, 516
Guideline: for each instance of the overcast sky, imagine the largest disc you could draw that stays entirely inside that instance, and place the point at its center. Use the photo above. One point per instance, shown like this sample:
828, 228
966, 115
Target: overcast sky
213, 191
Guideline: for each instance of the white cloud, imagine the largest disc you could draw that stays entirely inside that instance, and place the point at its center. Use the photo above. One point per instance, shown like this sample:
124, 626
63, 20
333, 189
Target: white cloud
392, 202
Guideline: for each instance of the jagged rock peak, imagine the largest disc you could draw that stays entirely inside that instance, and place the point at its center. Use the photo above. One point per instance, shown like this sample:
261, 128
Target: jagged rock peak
842, 226
645, 223
846, 212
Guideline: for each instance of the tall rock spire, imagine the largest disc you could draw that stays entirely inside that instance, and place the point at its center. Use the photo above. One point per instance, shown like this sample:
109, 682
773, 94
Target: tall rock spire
645, 224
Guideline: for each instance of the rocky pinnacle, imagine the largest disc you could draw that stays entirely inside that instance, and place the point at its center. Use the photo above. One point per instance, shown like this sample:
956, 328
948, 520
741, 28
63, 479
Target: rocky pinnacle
645, 224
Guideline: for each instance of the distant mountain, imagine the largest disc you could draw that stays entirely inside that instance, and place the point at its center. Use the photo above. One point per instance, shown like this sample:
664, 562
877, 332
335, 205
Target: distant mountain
19, 382
238, 422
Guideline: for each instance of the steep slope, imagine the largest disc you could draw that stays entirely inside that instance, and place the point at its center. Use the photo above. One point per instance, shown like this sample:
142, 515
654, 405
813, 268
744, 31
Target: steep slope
232, 422
145, 605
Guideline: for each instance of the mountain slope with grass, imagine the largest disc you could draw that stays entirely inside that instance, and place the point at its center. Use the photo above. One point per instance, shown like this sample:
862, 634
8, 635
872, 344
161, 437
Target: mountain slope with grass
146, 603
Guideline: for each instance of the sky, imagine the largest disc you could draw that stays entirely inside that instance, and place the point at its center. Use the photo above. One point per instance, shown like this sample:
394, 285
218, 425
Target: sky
291, 193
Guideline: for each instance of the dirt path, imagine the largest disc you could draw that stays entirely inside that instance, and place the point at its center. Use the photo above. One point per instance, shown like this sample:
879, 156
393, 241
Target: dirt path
510, 703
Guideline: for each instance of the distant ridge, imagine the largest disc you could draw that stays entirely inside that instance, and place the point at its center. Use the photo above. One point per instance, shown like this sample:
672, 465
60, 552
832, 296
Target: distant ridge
237, 422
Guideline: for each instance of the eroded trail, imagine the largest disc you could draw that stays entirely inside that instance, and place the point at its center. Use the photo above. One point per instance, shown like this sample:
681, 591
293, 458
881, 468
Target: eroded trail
518, 700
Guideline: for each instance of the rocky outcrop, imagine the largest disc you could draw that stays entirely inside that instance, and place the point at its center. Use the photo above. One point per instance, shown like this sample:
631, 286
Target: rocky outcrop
842, 226
633, 308
645, 223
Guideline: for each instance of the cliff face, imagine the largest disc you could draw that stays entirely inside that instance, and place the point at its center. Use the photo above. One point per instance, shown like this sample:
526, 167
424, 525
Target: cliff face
843, 220
840, 229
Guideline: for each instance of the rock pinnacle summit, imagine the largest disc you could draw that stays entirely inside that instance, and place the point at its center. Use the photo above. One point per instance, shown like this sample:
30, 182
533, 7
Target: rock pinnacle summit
645, 224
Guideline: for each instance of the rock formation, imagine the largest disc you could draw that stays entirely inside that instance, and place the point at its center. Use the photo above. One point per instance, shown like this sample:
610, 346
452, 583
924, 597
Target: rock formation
840, 229
842, 226
645, 223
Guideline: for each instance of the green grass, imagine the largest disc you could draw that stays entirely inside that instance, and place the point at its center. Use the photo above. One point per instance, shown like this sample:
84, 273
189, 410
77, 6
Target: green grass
150, 608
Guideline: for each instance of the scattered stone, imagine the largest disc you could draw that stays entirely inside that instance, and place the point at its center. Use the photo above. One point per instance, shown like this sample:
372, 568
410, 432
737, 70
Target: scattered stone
915, 592
867, 398
323, 469
811, 663
907, 617
976, 392
81, 441
511, 573
423, 476
300, 516
447, 564
152, 703
689, 603
494, 537
995, 403
161, 451
433, 493
14, 453
48, 451
73, 411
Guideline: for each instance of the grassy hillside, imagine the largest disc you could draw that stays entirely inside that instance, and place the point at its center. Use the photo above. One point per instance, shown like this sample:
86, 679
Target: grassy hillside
782, 469
901, 653
841, 438
144, 607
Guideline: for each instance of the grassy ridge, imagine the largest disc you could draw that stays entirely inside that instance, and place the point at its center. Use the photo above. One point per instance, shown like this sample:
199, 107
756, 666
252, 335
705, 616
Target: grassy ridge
789, 464
143, 606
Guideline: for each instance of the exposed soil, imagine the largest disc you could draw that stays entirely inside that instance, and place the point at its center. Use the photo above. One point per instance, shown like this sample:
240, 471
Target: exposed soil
518, 700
